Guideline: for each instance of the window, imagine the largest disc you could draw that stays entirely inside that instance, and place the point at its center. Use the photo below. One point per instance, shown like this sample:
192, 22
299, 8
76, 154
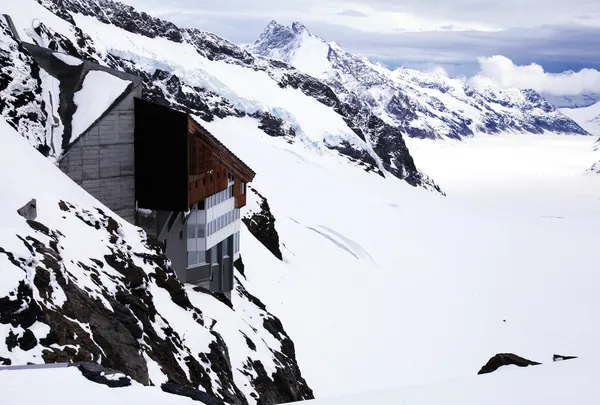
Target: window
225, 247
191, 231
202, 257
242, 188
201, 230
201, 205
192, 258
213, 255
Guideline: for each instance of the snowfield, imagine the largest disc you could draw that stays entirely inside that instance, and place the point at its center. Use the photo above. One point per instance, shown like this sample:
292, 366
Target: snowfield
573, 381
403, 287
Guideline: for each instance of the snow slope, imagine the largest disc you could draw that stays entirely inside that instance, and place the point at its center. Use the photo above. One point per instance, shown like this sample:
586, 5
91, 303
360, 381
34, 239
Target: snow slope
572, 381
68, 387
401, 287
80, 284
587, 117
101, 87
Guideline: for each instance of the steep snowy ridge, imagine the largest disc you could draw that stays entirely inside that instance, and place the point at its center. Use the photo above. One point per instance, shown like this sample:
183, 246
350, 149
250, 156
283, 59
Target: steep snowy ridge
21, 101
208, 76
422, 105
80, 284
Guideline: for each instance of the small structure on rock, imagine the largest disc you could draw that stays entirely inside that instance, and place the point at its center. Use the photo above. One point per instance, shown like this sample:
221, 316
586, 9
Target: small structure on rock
29, 210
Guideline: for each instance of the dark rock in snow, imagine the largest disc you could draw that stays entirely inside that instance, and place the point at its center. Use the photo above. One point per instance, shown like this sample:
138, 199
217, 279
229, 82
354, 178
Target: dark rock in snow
191, 393
105, 376
505, 359
262, 226
559, 357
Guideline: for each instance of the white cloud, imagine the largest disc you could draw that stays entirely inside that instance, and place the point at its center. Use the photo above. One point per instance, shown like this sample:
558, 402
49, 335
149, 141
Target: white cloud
502, 71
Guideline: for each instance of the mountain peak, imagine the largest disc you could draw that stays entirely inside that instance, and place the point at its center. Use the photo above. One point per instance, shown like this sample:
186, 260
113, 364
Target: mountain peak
299, 28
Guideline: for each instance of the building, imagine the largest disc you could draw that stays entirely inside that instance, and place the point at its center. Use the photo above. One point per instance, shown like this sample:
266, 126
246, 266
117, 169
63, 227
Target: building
189, 191
155, 167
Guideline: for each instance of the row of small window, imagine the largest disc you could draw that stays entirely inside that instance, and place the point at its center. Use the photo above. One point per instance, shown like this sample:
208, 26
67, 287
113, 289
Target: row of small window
221, 222
202, 230
218, 198
202, 257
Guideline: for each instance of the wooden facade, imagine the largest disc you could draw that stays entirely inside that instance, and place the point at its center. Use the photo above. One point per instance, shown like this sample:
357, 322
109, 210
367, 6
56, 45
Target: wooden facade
209, 163
179, 163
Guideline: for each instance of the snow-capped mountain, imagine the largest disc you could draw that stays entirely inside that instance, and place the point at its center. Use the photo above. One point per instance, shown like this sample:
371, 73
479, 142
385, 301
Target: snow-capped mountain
587, 117
580, 101
203, 74
421, 105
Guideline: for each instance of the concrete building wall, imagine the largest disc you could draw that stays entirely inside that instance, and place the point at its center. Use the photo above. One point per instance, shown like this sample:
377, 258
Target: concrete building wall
102, 160
176, 245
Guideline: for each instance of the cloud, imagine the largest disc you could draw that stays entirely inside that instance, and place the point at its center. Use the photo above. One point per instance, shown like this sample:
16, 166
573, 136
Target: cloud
352, 13
559, 35
502, 71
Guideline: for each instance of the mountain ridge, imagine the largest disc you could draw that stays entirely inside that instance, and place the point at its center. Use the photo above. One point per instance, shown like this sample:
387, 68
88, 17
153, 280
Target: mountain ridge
422, 105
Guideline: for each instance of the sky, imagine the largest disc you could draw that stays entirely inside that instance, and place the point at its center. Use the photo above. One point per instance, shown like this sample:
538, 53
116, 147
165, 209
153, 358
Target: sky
497, 40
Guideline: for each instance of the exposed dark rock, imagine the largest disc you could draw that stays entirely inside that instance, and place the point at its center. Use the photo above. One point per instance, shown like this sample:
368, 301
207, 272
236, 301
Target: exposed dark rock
170, 283
273, 126
221, 365
98, 374
262, 226
239, 266
11, 341
191, 393
21, 311
5, 362
505, 359
559, 357
287, 383
221, 297
28, 341
358, 156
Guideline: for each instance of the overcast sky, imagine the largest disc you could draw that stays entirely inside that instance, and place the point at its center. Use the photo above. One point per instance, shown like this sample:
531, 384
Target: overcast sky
557, 35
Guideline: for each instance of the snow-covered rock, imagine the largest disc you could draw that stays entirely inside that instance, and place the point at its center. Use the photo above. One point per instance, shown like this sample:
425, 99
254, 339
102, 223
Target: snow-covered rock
21, 99
580, 101
422, 105
80, 284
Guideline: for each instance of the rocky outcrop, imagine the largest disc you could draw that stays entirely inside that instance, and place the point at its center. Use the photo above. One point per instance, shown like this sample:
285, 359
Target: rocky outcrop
21, 101
287, 384
105, 376
191, 393
261, 224
107, 311
505, 359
